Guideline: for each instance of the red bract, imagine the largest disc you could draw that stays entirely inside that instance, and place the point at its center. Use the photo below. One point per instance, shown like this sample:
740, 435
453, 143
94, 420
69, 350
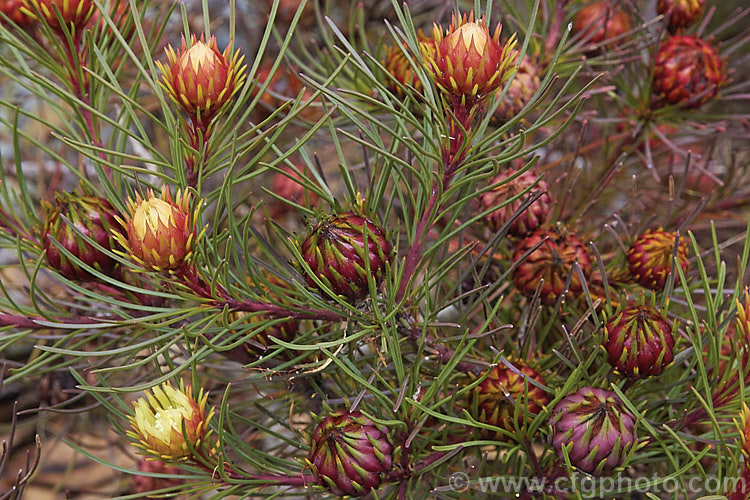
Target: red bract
200, 78
600, 22
469, 63
598, 428
531, 218
335, 251
680, 13
74, 13
349, 453
650, 257
688, 71
13, 9
638, 341
93, 217
552, 262
398, 65
499, 395
161, 232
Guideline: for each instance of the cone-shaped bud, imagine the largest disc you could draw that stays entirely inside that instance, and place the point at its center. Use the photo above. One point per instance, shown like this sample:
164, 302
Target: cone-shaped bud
349, 453
598, 428
74, 13
688, 71
93, 217
680, 13
551, 262
506, 393
531, 218
13, 9
522, 88
200, 78
599, 22
650, 257
335, 251
398, 65
638, 341
469, 63
157, 425
161, 232
288, 185
147, 483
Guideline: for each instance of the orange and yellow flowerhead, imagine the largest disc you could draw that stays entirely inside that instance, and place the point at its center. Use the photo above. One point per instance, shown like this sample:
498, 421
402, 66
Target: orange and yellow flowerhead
161, 232
469, 63
158, 420
74, 13
200, 78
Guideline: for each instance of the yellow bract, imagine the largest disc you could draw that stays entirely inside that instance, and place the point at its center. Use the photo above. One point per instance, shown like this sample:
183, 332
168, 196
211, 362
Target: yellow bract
150, 214
200, 54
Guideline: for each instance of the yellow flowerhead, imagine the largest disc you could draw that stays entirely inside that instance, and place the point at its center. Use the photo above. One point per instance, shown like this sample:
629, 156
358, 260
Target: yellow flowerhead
157, 424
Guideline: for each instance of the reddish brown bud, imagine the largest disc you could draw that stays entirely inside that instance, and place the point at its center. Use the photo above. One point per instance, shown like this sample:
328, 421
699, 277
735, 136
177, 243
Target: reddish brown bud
507, 392
398, 65
161, 231
74, 13
521, 90
680, 13
599, 22
688, 71
551, 262
531, 218
349, 453
13, 9
650, 257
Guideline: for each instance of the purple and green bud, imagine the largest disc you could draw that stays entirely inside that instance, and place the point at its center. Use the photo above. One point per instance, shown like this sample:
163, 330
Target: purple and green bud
595, 428
335, 251
350, 453
91, 216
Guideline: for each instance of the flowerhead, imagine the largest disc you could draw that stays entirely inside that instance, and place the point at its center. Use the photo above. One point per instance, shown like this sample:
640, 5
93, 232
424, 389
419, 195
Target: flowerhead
161, 232
160, 417
200, 78
469, 63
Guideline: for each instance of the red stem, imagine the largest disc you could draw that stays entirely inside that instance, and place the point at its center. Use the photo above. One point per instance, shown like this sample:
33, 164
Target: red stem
415, 249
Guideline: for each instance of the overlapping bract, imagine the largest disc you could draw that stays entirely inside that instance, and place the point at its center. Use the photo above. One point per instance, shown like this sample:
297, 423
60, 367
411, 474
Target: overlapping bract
639, 341
93, 217
468, 62
159, 418
349, 453
650, 257
335, 251
500, 394
74, 13
552, 262
596, 426
161, 232
688, 71
200, 78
